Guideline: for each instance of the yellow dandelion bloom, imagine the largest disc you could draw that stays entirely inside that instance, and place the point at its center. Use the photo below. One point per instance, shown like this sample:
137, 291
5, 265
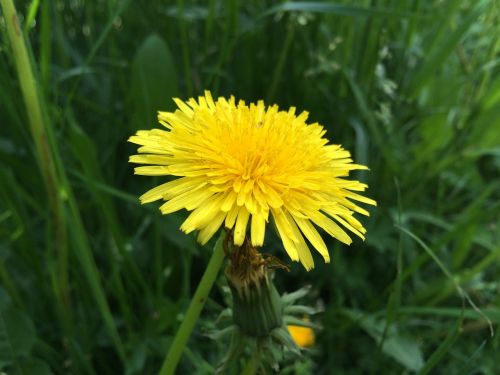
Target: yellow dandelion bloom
239, 165
303, 336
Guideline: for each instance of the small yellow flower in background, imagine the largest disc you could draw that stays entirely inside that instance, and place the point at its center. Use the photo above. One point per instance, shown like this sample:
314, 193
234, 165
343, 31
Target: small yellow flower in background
237, 165
303, 336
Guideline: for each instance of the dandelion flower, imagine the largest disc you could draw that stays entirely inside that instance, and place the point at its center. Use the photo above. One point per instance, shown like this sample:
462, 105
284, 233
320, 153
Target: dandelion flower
303, 336
239, 165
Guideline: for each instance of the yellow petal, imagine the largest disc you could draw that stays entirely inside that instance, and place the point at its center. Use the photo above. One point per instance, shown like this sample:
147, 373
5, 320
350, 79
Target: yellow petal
251, 204
151, 159
273, 198
359, 198
303, 336
346, 224
240, 200
172, 188
183, 107
228, 202
313, 236
290, 247
203, 214
207, 232
305, 256
283, 224
209, 99
258, 229
189, 199
241, 226
329, 226
231, 217
152, 170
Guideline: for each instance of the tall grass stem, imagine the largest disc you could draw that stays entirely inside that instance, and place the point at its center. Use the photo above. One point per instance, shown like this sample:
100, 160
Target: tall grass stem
41, 133
60, 194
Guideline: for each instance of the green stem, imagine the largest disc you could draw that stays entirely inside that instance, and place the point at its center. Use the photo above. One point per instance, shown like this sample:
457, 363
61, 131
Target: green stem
30, 93
194, 310
252, 365
227, 44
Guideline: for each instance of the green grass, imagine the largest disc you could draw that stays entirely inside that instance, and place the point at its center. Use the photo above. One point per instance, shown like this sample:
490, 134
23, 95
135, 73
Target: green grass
93, 283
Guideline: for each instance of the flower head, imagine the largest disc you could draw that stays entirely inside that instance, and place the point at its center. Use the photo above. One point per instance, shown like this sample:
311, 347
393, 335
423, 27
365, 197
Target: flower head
303, 336
239, 165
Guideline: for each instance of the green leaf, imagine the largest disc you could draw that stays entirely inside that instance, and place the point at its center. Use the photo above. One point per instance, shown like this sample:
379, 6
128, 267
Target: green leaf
437, 312
4, 299
32, 366
154, 81
434, 359
17, 334
403, 349
135, 363
339, 9
437, 56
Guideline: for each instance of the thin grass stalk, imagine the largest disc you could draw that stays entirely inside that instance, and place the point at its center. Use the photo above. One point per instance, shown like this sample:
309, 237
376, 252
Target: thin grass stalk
120, 8
493, 50
185, 48
30, 17
209, 25
278, 71
45, 46
227, 45
394, 303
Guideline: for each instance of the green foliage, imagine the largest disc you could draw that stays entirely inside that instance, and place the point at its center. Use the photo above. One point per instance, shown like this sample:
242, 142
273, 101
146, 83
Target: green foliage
93, 283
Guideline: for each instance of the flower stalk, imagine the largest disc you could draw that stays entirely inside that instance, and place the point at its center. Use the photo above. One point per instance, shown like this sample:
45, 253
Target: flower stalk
194, 310
252, 365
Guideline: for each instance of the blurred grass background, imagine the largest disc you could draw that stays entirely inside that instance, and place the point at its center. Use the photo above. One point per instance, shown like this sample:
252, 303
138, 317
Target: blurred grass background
93, 283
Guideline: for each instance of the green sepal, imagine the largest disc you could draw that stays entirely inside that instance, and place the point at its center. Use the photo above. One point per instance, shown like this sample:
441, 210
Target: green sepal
289, 298
236, 348
257, 308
